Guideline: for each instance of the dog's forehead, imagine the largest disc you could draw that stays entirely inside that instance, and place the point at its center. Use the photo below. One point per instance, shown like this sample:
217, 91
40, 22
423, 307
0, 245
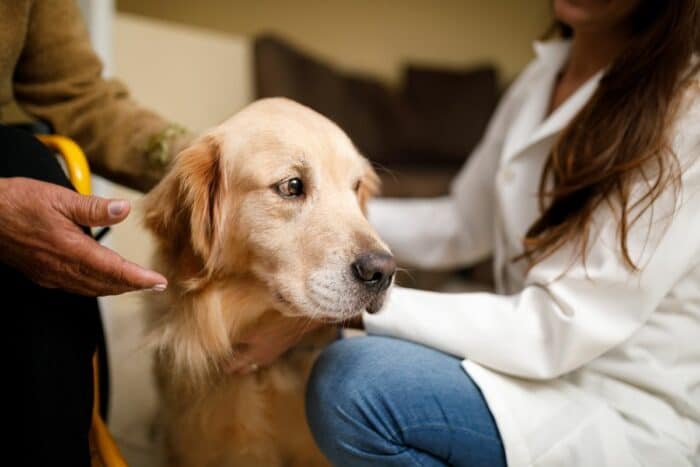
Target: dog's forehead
278, 125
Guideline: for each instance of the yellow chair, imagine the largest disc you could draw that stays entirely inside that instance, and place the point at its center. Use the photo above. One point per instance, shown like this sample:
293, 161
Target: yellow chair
104, 451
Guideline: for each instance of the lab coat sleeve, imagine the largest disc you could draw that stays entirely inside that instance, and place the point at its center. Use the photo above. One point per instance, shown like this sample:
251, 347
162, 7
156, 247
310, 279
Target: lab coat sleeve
566, 315
454, 230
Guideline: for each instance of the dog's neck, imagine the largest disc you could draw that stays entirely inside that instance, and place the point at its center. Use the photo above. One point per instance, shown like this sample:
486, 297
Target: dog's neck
208, 316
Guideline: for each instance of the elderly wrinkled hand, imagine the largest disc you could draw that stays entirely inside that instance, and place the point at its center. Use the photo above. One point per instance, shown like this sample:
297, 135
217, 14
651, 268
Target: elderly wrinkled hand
40, 235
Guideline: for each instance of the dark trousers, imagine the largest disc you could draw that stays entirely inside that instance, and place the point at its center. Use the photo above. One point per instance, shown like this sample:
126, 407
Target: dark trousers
50, 337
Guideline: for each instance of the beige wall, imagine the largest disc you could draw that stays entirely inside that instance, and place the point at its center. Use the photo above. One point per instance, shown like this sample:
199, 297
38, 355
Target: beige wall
193, 76
376, 35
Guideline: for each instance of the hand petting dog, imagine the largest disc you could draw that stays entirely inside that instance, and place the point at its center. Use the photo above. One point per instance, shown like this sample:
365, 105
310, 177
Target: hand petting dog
263, 346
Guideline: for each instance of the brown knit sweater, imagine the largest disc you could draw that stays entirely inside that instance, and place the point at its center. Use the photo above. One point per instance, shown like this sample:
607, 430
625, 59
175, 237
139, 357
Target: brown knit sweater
47, 64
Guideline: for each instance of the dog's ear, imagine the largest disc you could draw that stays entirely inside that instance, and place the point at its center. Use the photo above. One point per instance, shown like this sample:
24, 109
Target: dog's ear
369, 186
186, 205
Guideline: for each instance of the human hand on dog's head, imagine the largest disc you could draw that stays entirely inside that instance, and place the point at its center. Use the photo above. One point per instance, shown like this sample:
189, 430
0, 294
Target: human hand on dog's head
270, 340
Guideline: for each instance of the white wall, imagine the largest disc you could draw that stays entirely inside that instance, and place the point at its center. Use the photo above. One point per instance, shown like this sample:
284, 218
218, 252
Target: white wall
99, 17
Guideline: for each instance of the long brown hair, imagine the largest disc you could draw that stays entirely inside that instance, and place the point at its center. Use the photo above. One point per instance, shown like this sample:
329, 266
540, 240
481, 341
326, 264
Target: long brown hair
620, 134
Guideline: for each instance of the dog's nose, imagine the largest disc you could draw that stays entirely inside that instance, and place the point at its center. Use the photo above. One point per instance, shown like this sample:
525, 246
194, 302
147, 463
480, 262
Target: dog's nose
375, 269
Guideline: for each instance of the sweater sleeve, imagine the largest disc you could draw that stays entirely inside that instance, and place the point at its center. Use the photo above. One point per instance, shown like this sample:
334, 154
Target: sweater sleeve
568, 313
58, 80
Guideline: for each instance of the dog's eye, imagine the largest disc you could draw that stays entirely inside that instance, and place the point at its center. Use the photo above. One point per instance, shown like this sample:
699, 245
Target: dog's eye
291, 188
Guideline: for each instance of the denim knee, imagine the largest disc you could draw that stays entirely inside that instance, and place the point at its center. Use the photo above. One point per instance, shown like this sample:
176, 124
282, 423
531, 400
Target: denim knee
383, 401
338, 389
344, 368
331, 381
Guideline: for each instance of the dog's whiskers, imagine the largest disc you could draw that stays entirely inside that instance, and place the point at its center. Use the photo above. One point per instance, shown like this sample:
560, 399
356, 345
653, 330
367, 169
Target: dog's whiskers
407, 273
382, 168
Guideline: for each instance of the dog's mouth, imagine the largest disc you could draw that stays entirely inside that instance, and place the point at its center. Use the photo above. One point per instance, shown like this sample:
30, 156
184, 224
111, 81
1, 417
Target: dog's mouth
375, 304
281, 298
322, 314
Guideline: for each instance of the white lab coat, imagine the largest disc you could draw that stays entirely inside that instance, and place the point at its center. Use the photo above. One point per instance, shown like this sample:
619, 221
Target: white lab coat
580, 367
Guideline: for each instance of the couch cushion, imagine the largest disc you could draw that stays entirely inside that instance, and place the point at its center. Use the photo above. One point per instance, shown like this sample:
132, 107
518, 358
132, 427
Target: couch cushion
445, 112
361, 106
435, 119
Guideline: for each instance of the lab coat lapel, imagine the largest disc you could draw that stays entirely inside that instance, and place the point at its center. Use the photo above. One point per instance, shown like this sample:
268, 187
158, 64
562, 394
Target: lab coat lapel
531, 113
561, 117
530, 125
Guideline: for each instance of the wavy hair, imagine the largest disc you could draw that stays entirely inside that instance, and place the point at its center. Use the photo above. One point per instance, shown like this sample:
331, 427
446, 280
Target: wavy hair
620, 134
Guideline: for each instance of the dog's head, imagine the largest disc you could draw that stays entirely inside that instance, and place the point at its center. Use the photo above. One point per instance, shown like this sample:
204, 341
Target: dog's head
274, 195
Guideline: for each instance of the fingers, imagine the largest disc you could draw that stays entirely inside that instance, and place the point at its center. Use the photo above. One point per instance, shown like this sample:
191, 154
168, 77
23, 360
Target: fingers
248, 369
40, 237
119, 274
76, 263
242, 361
93, 270
103, 271
91, 211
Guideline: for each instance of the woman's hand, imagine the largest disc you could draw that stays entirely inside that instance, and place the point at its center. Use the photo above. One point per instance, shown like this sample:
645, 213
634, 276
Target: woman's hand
40, 236
269, 341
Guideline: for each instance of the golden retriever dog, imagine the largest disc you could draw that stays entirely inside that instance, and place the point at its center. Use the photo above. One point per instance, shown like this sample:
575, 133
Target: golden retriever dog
260, 219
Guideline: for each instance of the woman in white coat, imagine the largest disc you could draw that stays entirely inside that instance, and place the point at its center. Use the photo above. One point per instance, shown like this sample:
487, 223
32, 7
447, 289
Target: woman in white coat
586, 191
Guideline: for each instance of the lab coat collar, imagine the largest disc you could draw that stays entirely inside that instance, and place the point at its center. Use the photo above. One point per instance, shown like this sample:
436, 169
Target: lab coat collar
554, 51
531, 126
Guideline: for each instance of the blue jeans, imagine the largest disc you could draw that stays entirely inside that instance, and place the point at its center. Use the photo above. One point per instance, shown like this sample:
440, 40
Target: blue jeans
376, 401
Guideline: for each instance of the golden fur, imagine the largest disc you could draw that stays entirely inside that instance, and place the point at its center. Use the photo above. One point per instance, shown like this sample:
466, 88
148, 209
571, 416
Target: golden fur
237, 254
